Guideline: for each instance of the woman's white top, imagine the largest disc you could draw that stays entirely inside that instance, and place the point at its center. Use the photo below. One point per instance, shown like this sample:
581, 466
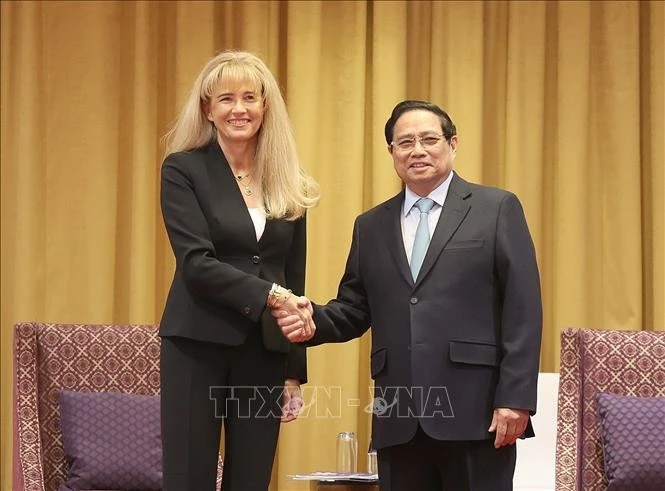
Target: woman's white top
259, 218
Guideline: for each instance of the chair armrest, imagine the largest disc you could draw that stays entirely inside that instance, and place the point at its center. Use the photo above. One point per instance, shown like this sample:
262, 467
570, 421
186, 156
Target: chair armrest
28, 471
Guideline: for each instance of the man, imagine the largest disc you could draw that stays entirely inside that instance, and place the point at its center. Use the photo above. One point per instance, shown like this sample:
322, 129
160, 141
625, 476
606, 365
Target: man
456, 321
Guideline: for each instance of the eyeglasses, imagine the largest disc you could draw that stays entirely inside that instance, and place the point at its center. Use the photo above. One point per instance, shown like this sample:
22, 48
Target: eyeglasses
426, 141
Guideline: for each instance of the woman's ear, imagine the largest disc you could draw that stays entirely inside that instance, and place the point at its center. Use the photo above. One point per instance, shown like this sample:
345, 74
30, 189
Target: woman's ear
205, 107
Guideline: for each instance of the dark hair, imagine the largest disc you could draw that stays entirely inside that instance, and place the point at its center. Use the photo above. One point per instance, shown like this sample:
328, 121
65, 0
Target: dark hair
447, 125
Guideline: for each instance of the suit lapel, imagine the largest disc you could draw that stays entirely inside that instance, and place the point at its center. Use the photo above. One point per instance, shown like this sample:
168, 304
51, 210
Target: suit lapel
394, 240
453, 212
225, 196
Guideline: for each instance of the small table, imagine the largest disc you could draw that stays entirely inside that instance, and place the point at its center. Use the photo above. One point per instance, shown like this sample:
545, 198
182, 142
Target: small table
332, 481
344, 485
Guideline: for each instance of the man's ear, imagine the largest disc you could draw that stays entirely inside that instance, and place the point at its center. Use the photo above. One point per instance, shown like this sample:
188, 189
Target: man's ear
453, 143
390, 149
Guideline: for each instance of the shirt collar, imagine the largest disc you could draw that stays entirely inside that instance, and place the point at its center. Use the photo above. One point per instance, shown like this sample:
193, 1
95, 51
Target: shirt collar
438, 195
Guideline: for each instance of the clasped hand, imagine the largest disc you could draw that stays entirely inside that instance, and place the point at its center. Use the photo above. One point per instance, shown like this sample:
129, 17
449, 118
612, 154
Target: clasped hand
294, 317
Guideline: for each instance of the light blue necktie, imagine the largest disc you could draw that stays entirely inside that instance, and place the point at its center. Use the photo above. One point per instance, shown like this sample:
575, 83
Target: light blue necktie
421, 241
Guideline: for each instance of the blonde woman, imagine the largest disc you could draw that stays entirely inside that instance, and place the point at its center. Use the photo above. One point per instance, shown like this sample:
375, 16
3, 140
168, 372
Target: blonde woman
233, 199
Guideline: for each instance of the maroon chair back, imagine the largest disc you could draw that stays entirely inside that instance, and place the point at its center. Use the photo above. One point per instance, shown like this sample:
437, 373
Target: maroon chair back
592, 361
52, 357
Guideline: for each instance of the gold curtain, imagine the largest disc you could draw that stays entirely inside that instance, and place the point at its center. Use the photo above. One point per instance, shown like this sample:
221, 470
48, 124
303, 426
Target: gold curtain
560, 102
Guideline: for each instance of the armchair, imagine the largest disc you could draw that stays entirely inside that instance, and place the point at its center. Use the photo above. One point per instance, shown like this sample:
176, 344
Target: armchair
52, 357
592, 361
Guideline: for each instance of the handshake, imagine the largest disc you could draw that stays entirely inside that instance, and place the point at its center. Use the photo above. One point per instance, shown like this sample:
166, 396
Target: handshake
293, 314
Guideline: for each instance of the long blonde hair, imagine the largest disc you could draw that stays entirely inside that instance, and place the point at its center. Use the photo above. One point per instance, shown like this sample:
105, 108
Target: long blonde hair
287, 189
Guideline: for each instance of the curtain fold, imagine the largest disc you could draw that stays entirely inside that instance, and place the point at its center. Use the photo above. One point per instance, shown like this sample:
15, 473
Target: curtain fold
561, 102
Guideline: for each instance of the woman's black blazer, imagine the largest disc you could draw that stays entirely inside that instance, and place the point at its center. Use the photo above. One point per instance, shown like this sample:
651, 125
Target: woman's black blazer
223, 274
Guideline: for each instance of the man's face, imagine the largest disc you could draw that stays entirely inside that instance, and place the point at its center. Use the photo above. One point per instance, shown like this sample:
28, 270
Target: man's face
422, 157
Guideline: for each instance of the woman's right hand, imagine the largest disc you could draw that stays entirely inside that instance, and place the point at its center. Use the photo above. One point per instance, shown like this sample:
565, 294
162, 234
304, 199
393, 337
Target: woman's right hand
294, 317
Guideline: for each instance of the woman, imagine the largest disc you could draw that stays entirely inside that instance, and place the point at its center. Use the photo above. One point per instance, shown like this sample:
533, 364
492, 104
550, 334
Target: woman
233, 199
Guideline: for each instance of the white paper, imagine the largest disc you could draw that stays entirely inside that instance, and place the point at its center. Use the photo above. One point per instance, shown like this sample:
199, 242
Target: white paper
335, 476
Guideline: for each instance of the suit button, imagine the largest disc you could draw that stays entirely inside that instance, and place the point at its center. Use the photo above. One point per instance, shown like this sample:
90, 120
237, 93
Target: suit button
256, 259
246, 310
414, 300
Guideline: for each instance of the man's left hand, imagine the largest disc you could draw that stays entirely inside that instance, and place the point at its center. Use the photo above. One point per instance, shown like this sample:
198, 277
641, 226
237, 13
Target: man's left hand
509, 424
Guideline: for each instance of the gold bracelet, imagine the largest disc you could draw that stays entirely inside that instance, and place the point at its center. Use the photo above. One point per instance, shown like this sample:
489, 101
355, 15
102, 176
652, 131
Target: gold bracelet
281, 300
277, 296
271, 295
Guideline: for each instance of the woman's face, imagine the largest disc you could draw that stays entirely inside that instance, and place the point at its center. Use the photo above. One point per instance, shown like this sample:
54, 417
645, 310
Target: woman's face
236, 111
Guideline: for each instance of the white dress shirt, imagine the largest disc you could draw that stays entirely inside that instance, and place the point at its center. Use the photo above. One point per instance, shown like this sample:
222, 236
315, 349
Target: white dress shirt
411, 215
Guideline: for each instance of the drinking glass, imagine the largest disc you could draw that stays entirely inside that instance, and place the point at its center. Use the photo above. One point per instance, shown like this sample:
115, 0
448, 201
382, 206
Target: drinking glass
372, 465
347, 452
